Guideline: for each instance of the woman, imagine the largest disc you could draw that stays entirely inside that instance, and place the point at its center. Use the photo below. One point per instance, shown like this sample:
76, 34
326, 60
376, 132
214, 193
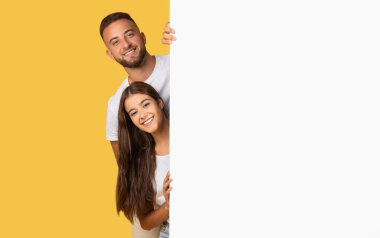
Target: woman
143, 183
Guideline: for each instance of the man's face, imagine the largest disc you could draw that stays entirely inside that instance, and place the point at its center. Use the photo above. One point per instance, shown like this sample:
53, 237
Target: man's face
125, 43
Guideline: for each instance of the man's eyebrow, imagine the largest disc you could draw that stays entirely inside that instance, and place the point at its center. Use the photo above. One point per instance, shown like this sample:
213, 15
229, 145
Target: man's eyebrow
128, 30
125, 32
113, 38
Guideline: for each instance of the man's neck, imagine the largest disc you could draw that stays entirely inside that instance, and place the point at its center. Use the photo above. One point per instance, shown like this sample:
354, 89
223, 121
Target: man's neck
142, 73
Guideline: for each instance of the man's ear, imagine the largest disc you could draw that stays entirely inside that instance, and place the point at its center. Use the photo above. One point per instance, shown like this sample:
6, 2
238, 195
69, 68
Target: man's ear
143, 36
108, 52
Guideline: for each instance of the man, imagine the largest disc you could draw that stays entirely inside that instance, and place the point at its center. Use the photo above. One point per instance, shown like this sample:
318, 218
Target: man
126, 45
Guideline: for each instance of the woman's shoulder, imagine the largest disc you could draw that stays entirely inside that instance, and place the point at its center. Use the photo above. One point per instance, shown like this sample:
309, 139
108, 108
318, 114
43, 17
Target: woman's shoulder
163, 156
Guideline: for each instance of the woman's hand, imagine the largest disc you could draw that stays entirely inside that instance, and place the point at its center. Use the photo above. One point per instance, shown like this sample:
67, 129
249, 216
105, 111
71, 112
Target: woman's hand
158, 216
167, 189
167, 36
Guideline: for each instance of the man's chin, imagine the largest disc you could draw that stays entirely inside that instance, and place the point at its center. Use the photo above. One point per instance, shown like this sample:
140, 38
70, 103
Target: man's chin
134, 64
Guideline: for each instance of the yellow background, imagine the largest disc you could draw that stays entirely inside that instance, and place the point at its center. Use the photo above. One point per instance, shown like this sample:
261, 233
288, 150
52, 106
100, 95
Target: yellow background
57, 171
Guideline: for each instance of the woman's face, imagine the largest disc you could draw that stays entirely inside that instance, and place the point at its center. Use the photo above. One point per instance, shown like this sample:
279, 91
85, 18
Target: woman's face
144, 112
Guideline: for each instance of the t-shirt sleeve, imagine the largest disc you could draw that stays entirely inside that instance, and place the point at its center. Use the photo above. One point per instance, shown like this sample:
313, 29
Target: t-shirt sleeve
111, 122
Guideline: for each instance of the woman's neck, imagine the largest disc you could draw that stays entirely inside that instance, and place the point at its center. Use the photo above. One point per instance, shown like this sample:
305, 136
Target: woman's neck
161, 137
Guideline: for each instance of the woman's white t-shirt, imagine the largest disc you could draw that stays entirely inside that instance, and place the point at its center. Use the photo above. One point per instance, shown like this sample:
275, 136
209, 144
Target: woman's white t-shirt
162, 167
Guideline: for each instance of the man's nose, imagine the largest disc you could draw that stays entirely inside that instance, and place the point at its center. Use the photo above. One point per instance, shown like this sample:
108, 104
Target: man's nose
125, 43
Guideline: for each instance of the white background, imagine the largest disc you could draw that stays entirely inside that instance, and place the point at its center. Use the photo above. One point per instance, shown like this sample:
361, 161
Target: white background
275, 111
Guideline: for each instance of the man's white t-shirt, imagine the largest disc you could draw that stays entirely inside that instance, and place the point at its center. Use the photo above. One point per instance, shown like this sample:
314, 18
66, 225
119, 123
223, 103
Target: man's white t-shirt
159, 79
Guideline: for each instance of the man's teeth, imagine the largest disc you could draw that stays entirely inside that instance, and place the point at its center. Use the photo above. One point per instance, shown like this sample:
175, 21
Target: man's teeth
129, 52
148, 121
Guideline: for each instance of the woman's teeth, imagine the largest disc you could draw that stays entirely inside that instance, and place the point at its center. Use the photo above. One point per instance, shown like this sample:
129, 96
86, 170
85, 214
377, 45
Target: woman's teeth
148, 121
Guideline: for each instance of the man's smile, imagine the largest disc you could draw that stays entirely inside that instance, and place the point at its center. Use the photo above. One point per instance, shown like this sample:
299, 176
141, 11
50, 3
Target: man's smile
130, 51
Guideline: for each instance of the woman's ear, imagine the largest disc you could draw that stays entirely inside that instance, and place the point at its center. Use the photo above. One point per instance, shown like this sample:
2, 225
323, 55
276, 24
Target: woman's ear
161, 103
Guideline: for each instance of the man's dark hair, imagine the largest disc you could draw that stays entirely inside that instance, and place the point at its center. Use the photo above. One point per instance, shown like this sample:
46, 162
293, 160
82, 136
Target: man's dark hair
112, 18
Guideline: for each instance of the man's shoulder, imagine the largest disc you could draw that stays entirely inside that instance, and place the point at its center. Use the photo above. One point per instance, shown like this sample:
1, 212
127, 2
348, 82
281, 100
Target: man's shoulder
165, 59
162, 63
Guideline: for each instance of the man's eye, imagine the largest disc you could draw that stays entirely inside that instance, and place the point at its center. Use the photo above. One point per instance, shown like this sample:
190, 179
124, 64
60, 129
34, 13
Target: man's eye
115, 42
130, 34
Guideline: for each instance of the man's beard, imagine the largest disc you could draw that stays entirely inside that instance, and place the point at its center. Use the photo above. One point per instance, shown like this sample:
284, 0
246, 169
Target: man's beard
134, 64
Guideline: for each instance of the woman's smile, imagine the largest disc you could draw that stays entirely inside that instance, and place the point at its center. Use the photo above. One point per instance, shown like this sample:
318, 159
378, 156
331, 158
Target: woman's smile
148, 121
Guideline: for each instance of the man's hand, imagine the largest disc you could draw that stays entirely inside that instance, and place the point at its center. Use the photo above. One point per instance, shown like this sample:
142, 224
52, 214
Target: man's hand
167, 36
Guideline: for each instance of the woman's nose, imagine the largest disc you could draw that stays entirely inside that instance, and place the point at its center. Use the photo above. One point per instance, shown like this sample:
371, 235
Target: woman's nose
143, 115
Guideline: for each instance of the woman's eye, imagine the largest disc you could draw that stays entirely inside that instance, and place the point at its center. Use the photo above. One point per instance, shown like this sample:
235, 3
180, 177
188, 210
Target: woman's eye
132, 114
146, 104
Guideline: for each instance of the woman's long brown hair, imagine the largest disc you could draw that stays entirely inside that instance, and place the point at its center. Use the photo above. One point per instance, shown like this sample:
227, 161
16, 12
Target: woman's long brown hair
135, 194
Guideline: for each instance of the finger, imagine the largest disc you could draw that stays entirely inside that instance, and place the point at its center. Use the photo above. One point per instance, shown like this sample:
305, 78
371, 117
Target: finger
167, 193
169, 181
167, 184
168, 29
167, 176
167, 36
167, 25
167, 42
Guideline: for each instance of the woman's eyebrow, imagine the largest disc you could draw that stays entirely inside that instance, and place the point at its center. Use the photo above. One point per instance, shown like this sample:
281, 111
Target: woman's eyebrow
129, 112
142, 102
